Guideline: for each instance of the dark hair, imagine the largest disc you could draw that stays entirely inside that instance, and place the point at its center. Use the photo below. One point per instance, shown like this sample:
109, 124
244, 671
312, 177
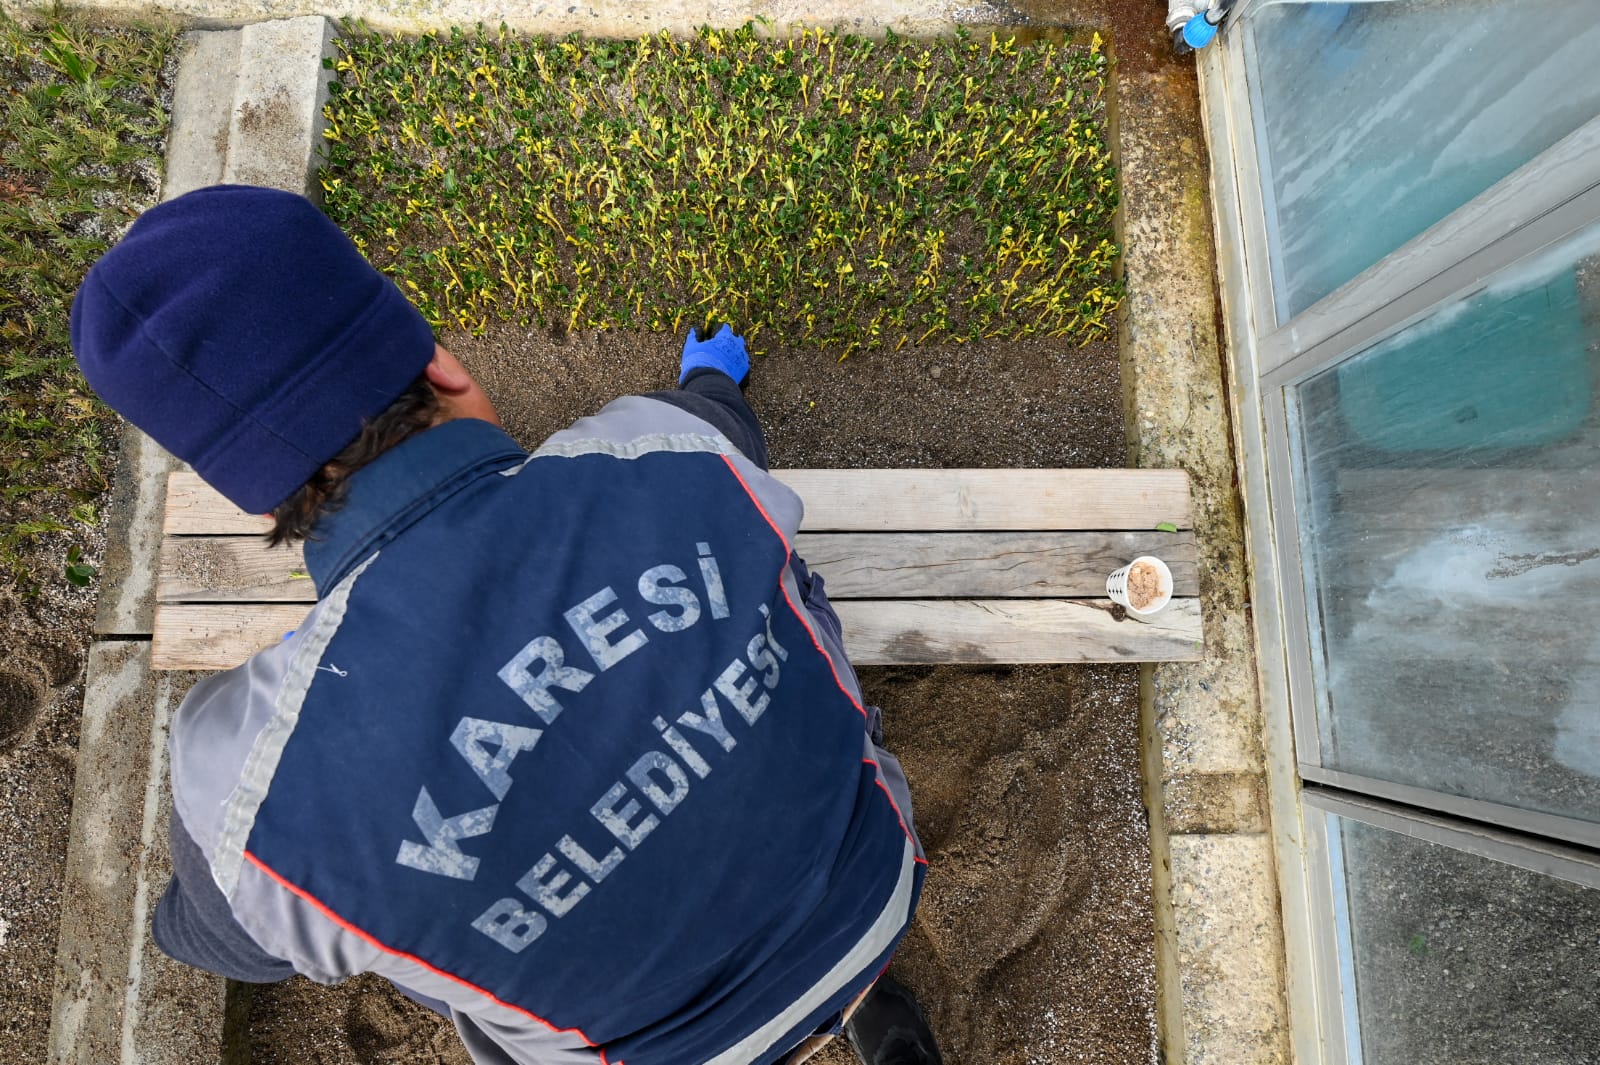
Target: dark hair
414, 410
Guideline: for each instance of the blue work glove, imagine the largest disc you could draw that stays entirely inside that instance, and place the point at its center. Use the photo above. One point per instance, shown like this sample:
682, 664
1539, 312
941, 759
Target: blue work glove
724, 351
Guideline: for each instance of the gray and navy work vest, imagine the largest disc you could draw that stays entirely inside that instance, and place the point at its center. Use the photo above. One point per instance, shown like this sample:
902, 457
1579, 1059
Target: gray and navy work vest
561, 746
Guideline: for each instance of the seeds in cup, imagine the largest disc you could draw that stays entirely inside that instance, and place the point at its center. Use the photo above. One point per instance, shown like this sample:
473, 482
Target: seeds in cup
1144, 586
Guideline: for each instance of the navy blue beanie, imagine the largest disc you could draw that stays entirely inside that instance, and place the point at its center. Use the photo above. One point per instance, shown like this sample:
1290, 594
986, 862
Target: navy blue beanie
246, 333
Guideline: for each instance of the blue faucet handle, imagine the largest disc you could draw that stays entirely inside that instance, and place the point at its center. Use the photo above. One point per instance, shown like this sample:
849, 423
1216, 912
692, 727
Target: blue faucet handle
1199, 31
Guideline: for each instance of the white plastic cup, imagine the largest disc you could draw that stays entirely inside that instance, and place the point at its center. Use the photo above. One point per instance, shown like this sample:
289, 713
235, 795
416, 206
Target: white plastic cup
1117, 588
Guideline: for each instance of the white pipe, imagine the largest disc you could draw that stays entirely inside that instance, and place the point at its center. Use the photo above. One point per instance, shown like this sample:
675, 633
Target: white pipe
1179, 12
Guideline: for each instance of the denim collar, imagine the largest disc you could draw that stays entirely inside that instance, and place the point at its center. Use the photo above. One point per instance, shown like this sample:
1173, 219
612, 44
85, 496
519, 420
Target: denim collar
398, 487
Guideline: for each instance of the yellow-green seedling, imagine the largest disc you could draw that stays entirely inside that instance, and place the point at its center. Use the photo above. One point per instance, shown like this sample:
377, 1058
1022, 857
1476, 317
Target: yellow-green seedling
823, 189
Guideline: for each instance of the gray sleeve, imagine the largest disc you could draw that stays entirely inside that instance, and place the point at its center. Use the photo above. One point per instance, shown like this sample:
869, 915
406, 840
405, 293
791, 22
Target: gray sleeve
194, 924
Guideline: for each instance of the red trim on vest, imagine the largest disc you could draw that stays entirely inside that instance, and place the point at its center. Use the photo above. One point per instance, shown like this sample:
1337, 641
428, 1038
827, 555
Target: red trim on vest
806, 621
798, 612
367, 937
878, 780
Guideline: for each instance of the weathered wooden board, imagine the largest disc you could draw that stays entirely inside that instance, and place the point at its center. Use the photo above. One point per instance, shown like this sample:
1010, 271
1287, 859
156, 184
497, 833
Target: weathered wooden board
988, 500
977, 631
220, 569
219, 635
1042, 565
240, 569
955, 566
195, 507
876, 501
904, 631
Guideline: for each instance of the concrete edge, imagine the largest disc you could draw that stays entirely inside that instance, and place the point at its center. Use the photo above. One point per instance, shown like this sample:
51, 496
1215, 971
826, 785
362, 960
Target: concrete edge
116, 997
1219, 959
600, 18
126, 605
107, 805
202, 107
276, 122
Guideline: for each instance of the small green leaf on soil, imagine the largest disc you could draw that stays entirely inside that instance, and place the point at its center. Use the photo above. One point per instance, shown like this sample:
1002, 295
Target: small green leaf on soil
78, 573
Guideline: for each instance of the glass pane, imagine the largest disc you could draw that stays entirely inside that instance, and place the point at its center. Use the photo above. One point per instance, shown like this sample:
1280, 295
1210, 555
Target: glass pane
1459, 960
1448, 493
1376, 120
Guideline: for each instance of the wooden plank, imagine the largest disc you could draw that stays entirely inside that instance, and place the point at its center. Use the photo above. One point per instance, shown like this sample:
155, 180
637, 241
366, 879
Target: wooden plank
971, 632
195, 507
875, 501
898, 632
219, 635
1044, 565
968, 500
220, 569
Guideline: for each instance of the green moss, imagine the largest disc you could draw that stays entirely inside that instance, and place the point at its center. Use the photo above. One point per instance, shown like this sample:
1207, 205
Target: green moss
827, 189
81, 132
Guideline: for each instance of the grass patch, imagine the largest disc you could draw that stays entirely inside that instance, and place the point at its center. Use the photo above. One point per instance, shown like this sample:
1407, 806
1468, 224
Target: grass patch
81, 131
824, 189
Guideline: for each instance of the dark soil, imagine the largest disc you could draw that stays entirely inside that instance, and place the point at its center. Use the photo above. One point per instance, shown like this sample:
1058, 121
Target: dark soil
1034, 941
1027, 403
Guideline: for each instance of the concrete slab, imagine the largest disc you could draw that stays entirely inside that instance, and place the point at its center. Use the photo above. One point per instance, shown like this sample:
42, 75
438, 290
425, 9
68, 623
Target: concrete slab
275, 129
1230, 946
127, 603
108, 1004
197, 149
172, 1012
1178, 415
1220, 978
604, 18
117, 998
202, 99
1215, 802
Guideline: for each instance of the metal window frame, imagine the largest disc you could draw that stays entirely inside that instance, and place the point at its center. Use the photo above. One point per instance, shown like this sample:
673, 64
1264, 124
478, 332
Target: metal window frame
1252, 199
1573, 864
1334, 955
1533, 822
1228, 143
1542, 202
1388, 291
1478, 233
1510, 216
1458, 282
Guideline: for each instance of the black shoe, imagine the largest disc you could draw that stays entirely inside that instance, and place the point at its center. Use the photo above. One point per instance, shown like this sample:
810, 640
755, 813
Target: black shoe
890, 1029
